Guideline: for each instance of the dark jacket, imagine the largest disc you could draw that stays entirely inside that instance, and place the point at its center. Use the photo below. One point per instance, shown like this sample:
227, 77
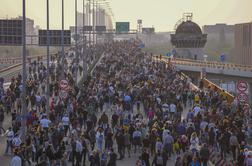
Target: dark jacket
204, 153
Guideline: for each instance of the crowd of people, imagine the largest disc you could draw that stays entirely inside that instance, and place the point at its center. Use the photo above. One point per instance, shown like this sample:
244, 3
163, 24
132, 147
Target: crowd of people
132, 104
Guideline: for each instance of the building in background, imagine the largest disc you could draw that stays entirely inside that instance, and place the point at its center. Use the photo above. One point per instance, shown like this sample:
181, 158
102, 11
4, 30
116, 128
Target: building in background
188, 39
30, 30
220, 40
147, 30
243, 43
101, 18
220, 32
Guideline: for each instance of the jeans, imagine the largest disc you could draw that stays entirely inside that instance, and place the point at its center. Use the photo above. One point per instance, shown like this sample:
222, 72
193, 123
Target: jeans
78, 158
204, 162
233, 149
8, 145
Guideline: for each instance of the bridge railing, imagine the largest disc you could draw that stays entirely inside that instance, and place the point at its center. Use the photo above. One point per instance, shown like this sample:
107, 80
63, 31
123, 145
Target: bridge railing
210, 64
211, 85
16, 60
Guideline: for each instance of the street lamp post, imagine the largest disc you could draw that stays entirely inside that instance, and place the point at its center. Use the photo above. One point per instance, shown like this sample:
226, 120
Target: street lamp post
84, 58
89, 21
24, 106
62, 41
96, 19
98, 15
48, 56
76, 45
93, 22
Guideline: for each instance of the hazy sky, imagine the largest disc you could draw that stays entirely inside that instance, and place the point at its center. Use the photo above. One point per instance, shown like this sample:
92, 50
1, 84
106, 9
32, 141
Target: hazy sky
162, 14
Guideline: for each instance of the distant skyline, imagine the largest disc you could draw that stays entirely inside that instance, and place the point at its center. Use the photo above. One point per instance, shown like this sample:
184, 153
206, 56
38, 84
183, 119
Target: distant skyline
162, 14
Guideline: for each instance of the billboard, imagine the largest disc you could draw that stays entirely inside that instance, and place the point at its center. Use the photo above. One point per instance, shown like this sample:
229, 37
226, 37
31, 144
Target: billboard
148, 30
122, 27
54, 37
100, 28
88, 28
10, 32
80, 29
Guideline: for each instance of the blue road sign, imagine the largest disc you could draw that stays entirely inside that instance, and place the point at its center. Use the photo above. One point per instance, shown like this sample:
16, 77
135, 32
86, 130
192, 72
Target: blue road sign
222, 58
168, 54
173, 52
142, 45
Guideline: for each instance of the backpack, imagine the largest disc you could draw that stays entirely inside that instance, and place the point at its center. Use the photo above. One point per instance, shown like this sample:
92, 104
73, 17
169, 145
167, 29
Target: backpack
159, 160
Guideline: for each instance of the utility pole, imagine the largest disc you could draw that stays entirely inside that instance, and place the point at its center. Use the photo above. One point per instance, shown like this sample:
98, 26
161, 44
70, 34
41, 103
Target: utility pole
62, 42
96, 20
93, 22
84, 58
48, 58
76, 45
24, 106
89, 21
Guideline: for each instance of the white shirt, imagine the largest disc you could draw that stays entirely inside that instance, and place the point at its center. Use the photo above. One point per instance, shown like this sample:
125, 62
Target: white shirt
38, 98
16, 161
65, 121
9, 134
79, 146
16, 141
165, 107
196, 110
45, 123
137, 134
203, 125
173, 108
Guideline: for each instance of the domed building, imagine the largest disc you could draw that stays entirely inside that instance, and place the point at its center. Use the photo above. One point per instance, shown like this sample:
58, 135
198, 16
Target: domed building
189, 40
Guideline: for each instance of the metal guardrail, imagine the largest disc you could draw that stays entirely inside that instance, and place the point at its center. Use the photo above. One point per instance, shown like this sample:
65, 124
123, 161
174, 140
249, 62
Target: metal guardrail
210, 64
9, 68
17, 59
209, 84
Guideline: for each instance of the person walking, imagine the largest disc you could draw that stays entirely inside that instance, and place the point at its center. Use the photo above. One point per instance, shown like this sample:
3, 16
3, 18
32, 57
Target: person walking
1, 120
79, 150
146, 157
10, 135
112, 158
16, 160
120, 144
204, 154
158, 159
233, 141
127, 144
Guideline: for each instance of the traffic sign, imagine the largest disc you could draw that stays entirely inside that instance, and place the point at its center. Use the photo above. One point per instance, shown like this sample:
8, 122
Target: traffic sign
11, 31
142, 45
174, 52
168, 54
242, 97
222, 57
100, 28
242, 86
54, 37
122, 27
63, 84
